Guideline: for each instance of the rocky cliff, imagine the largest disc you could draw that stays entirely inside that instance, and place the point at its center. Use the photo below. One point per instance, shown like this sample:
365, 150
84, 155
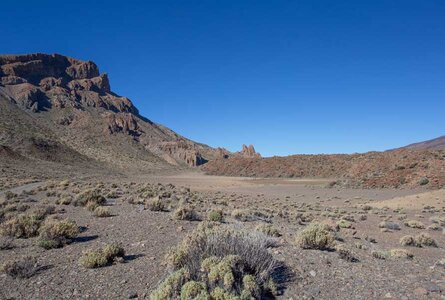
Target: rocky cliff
69, 103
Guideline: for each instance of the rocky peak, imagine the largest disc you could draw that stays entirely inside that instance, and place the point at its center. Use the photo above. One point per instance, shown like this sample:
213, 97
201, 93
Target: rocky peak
42, 81
249, 151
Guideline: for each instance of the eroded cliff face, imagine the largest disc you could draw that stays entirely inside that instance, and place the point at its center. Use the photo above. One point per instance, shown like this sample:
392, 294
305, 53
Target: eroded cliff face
73, 98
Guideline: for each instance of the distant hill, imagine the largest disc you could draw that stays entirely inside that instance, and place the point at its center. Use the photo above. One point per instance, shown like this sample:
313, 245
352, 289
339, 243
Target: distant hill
434, 144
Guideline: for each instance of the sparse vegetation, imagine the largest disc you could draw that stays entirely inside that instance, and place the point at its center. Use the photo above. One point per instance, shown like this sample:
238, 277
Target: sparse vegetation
219, 262
414, 224
315, 236
155, 204
24, 267
185, 213
268, 229
102, 212
215, 216
102, 257
56, 233
422, 239
90, 198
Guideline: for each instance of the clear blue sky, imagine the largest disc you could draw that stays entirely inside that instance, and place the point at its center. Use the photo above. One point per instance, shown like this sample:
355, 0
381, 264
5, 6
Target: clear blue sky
287, 76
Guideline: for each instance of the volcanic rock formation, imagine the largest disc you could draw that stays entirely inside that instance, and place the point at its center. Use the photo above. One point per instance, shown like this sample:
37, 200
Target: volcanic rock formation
68, 103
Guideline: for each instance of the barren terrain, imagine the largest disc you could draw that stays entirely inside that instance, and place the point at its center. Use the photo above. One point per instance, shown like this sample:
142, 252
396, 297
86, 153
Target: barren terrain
288, 205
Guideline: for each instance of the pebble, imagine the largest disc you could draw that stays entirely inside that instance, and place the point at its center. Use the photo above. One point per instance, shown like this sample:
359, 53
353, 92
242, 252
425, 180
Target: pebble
313, 273
420, 291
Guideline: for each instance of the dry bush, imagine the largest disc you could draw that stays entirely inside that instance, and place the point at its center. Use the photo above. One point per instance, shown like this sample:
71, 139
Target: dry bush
316, 236
414, 224
220, 262
155, 204
102, 257
242, 215
6, 243
24, 267
102, 212
185, 213
400, 253
64, 200
21, 226
56, 233
90, 197
380, 254
215, 215
268, 229
422, 239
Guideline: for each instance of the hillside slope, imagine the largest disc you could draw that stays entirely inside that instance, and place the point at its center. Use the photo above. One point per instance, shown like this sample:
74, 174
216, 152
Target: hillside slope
434, 144
374, 169
59, 109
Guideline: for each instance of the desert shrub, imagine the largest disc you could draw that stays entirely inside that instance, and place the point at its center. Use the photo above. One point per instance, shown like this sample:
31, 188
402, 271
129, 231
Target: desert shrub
380, 254
21, 226
400, 253
345, 253
102, 257
220, 262
440, 220
268, 229
441, 262
10, 195
185, 213
414, 224
90, 197
425, 239
315, 236
113, 195
65, 200
56, 233
419, 240
408, 240
5, 243
393, 253
344, 224
242, 215
24, 267
155, 204
215, 216
389, 225
434, 226
102, 212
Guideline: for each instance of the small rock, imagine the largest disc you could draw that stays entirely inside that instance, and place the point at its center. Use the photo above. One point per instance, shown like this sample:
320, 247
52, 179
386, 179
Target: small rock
420, 291
132, 295
313, 273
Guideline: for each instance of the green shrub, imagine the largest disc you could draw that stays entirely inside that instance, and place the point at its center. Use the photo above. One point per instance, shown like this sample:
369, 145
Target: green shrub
219, 262
315, 236
155, 204
215, 216
24, 267
22, 226
90, 197
268, 229
102, 257
55, 233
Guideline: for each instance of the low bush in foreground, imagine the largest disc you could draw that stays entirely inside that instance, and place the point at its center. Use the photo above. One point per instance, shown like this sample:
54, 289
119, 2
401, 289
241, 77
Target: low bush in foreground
219, 262
24, 267
102, 257
315, 236
215, 216
268, 229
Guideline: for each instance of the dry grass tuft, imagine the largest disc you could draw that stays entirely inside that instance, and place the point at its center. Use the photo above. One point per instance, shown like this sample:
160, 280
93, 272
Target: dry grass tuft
24, 267
102, 257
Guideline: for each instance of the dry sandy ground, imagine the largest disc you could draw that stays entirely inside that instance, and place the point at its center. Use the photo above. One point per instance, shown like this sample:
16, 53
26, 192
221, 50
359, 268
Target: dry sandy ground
289, 204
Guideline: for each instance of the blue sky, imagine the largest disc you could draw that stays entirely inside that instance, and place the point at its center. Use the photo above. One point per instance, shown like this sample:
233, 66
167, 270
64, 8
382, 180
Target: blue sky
287, 76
